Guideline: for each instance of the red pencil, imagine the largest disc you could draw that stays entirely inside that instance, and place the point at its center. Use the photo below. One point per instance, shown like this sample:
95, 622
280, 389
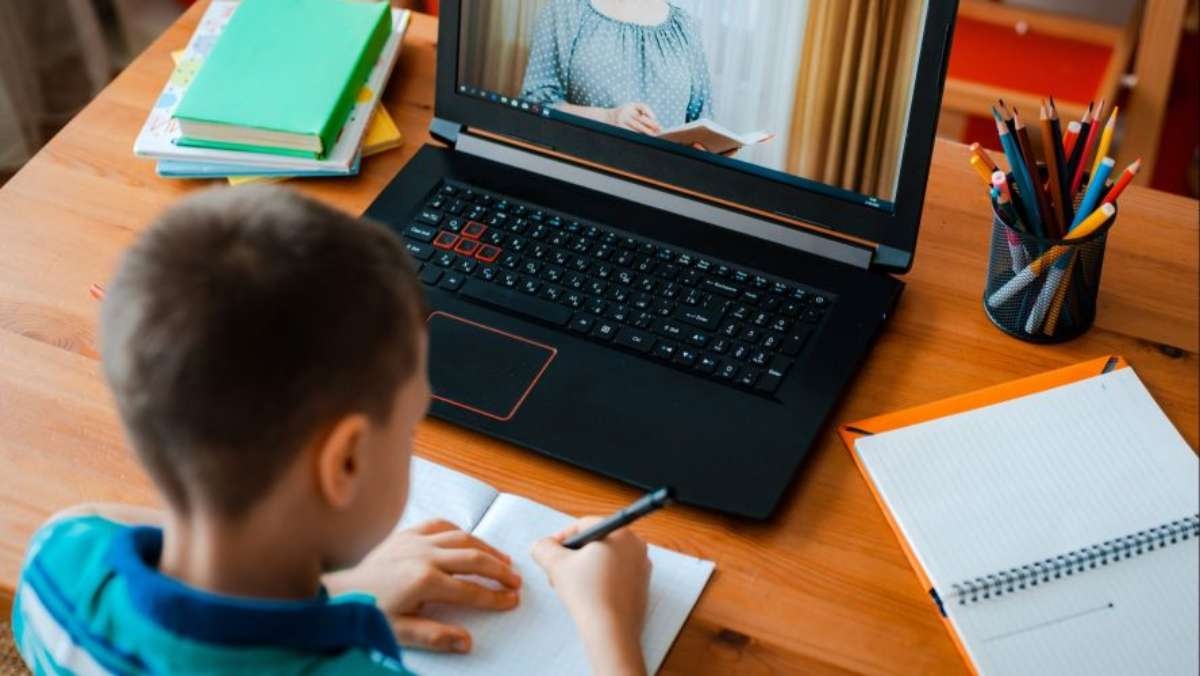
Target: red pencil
1088, 145
1123, 182
1069, 138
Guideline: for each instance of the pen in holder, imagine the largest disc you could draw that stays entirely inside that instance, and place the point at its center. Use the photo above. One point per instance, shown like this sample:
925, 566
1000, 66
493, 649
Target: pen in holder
1042, 289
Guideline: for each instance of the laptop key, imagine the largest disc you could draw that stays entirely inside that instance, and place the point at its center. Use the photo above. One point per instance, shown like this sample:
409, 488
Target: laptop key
749, 378
582, 323
707, 364
431, 275
635, 340
769, 382
719, 287
430, 216
421, 232
727, 370
686, 356
517, 302
453, 281
665, 351
605, 330
707, 317
795, 342
419, 251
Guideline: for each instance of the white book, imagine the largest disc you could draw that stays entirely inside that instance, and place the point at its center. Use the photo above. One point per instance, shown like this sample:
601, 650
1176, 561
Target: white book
1060, 530
157, 139
538, 636
714, 137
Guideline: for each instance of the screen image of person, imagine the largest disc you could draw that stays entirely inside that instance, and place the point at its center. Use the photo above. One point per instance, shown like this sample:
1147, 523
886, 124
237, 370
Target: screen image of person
814, 92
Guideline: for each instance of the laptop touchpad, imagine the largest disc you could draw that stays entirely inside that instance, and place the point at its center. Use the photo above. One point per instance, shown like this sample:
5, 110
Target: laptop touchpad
483, 369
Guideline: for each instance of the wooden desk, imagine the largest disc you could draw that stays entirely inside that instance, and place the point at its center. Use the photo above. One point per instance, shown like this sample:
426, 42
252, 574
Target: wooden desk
823, 588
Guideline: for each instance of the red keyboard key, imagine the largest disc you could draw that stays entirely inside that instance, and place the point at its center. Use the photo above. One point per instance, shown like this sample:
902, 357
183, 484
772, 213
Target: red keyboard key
488, 253
467, 247
474, 230
445, 240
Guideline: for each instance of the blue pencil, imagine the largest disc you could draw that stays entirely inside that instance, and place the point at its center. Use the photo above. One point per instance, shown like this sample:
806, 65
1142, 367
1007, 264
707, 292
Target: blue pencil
1017, 164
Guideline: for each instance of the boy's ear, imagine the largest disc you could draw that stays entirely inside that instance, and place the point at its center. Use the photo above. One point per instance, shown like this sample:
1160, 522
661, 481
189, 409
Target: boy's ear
340, 460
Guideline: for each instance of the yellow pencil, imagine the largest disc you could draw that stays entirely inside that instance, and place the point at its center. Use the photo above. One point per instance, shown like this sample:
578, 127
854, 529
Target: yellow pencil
1105, 139
983, 170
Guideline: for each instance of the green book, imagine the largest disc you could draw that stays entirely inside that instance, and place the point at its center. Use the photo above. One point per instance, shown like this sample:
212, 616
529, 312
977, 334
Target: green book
283, 76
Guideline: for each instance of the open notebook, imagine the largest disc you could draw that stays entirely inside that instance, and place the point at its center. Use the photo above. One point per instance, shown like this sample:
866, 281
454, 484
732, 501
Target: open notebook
1058, 530
538, 637
714, 137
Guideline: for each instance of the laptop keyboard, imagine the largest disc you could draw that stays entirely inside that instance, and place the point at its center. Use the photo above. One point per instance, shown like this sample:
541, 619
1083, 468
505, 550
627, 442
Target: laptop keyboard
696, 313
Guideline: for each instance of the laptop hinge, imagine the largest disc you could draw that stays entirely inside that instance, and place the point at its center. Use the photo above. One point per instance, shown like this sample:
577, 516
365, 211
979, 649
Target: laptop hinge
445, 131
792, 237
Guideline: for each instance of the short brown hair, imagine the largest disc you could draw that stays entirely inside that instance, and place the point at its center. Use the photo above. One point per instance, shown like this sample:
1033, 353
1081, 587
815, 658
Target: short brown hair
243, 321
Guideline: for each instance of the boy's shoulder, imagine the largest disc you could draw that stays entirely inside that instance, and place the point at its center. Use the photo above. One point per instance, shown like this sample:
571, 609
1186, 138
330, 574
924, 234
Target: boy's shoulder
91, 600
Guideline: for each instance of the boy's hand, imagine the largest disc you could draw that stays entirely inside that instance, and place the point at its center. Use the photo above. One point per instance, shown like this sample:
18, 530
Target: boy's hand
420, 565
604, 586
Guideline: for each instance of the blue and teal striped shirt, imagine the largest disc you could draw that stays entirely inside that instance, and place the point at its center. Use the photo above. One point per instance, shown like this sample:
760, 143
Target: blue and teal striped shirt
91, 601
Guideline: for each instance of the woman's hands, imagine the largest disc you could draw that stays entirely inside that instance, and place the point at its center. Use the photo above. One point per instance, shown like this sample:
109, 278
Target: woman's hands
636, 117
419, 565
604, 587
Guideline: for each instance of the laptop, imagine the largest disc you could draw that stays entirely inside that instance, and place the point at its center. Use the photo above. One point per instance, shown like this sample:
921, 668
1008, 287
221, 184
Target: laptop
607, 291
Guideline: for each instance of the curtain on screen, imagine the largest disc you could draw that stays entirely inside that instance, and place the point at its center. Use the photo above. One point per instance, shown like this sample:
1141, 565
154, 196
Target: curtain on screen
495, 48
753, 47
853, 93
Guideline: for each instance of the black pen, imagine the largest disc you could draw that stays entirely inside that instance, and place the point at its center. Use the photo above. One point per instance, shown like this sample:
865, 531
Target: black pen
644, 505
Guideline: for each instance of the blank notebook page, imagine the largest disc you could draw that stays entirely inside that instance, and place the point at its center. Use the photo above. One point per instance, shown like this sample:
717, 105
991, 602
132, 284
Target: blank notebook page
1028, 479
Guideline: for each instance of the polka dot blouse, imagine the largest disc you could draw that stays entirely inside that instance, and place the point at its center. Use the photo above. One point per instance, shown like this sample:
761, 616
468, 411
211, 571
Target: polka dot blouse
587, 58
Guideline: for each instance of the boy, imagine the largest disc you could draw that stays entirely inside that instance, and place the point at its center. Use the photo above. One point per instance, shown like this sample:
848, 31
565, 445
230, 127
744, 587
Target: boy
267, 357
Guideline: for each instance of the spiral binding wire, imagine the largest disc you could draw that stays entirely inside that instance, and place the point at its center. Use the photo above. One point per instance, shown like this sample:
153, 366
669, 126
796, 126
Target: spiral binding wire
1074, 563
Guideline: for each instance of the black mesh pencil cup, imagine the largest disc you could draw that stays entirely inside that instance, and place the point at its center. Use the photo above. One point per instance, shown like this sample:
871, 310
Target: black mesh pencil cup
1043, 290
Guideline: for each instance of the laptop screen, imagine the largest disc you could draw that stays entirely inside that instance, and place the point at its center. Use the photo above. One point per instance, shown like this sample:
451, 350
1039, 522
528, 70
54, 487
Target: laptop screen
811, 94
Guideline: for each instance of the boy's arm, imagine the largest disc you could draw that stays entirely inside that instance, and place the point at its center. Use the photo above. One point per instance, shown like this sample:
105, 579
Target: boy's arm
113, 511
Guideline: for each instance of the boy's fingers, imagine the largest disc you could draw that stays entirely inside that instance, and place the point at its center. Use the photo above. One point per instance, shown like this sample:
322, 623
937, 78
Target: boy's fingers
477, 562
460, 592
458, 539
419, 632
547, 551
434, 526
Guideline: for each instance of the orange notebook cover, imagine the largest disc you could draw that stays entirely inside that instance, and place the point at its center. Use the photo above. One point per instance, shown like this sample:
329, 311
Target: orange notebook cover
850, 433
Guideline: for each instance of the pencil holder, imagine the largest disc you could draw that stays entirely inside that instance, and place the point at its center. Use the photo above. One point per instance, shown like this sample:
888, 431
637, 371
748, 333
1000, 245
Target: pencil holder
1043, 290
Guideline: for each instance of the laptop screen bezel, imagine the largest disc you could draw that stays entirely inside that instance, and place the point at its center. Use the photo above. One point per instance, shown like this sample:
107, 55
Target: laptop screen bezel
896, 229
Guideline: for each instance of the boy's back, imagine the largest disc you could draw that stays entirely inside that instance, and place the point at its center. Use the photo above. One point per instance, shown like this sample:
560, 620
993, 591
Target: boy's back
92, 602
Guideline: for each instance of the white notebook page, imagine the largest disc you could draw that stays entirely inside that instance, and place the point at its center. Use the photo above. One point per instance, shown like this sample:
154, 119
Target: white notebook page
437, 492
539, 637
1034, 477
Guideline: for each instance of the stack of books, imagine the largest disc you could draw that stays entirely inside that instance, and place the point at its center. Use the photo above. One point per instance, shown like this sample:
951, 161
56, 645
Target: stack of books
269, 89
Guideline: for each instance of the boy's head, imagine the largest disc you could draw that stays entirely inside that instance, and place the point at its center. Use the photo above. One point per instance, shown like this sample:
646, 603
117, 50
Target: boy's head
260, 343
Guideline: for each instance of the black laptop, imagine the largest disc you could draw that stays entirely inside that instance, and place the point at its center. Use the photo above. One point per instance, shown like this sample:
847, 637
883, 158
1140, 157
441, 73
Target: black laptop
606, 288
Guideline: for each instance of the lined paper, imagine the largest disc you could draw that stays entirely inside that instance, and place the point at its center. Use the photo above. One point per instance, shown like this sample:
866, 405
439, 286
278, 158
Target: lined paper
1022, 481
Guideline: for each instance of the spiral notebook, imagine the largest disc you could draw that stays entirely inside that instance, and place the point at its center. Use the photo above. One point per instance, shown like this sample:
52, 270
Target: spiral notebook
1055, 521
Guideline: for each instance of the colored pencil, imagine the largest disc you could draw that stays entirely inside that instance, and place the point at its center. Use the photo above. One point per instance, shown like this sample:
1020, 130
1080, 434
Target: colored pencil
1106, 138
1069, 138
1045, 225
979, 167
1123, 182
1052, 144
1088, 144
1027, 204
1076, 155
1062, 194
982, 153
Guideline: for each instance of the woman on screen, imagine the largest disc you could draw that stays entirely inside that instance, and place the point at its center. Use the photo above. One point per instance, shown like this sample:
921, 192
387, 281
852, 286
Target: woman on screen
637, 64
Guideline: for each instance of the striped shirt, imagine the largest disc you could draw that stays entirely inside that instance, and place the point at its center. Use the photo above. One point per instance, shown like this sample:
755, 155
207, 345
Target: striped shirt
91, 601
